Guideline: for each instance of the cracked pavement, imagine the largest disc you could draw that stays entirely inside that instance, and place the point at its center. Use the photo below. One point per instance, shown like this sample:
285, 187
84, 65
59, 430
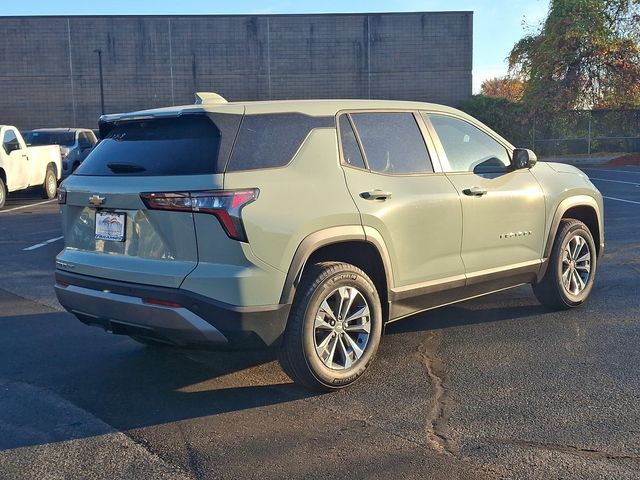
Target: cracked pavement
497, 387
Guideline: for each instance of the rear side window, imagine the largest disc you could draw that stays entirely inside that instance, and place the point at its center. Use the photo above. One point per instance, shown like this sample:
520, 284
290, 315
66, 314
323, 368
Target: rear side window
36, 138
271, 140
88, 137
185, 145
392, 142
350, 149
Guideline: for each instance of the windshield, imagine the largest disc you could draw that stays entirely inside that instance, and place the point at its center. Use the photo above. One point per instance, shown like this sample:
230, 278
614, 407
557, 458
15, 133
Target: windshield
65, 139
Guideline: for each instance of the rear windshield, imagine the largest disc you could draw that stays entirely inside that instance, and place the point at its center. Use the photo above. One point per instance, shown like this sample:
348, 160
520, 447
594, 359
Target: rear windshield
65, 139
186, 145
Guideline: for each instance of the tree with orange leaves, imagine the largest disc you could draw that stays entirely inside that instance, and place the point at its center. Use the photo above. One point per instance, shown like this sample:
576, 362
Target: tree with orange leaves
503, 87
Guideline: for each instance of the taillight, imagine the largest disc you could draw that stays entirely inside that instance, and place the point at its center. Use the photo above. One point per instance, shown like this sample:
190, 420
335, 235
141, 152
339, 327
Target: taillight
226, 205
62, 195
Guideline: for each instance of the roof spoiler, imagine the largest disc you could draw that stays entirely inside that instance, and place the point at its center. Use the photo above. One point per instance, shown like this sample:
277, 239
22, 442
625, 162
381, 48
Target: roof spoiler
209, 97
107, 122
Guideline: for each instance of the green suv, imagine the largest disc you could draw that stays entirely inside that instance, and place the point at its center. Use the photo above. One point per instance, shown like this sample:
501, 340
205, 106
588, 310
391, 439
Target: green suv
309, 225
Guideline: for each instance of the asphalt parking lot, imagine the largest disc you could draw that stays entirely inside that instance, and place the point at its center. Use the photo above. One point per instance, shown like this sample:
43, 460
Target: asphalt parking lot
497, 387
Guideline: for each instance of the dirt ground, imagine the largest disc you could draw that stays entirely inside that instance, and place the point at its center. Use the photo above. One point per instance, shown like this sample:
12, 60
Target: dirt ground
627, 159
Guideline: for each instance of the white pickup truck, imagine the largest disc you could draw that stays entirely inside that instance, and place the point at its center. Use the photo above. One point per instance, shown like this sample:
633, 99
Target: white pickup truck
23, 167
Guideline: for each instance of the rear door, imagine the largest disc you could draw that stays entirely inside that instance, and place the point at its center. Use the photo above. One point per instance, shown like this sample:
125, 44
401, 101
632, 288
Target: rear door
109, 231
401, 192
503, 209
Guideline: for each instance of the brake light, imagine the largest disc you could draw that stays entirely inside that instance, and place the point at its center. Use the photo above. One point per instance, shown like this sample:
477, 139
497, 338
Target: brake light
226, 205
62, 195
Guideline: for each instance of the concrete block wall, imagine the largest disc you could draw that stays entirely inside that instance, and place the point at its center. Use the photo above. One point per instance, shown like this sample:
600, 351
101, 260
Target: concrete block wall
49, 65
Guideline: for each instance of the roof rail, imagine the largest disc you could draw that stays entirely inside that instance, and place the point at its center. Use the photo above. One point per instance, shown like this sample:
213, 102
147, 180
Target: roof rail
209, 97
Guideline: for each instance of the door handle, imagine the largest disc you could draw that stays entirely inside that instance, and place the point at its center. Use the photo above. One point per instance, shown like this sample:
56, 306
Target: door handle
474, 191
375, 195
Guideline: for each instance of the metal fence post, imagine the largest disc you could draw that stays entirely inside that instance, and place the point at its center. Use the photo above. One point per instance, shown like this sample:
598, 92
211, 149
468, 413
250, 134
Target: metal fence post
589, 139
533, 146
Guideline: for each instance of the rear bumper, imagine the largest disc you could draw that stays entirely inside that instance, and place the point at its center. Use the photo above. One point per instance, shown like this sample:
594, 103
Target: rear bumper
189, 319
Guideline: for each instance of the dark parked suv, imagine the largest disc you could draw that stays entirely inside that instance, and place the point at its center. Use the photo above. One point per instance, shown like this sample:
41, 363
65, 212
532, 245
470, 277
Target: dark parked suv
75, 144
309, 225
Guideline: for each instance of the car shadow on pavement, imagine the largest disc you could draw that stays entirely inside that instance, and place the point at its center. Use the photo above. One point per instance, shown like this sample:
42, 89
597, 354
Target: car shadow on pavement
149, 386
130, 386
122, 383
462, 315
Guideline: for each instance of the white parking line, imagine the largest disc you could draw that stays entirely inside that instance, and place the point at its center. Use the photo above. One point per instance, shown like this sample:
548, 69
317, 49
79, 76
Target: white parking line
621, 200
27, 206
614, 181
608, 170
38, 245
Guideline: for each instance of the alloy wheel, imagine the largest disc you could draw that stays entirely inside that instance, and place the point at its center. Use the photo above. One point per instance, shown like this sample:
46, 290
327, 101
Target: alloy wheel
342, 327
576, 265
51, 185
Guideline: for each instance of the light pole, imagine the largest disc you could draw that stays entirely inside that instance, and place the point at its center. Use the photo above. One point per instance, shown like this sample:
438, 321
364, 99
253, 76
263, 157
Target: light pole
99, 52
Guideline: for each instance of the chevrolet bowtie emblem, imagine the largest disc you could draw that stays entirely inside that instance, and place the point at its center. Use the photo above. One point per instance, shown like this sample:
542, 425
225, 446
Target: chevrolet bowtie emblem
96, 200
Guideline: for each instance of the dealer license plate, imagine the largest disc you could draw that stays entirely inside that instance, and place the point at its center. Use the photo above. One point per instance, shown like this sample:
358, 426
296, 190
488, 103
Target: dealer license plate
110, 226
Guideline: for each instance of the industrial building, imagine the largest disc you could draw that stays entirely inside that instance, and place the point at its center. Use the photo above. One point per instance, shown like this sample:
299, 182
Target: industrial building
51, 67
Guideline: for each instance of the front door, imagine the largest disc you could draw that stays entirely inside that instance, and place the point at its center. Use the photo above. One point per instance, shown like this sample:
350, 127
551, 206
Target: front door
503, 209
17, 161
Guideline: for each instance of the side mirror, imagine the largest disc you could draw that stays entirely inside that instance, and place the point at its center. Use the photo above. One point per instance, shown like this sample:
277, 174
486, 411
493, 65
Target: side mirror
523, 158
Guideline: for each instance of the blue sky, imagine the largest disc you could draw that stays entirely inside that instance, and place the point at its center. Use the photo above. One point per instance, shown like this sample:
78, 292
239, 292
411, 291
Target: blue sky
498, 24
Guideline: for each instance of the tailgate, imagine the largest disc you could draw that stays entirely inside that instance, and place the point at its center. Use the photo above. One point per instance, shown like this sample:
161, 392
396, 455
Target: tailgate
109, 232
158, 248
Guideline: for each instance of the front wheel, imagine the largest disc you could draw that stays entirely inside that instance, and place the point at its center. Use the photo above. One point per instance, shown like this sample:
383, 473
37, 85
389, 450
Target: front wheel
50, 185
334, 328
572, 267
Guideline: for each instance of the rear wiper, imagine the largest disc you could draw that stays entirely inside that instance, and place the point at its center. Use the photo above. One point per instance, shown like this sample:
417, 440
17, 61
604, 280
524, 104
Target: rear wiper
125, 168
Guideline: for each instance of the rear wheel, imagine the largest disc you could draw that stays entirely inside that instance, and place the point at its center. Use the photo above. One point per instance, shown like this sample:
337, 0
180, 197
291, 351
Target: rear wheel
572, 267
50, 185
3, 193
334, 327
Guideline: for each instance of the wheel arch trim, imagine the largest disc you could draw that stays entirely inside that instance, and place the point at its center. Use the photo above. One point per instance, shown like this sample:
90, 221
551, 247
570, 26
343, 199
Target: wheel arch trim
330, 236
564, 206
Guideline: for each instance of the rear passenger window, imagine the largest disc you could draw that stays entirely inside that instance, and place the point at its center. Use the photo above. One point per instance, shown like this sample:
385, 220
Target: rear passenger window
350, 149
271, 140
392, 142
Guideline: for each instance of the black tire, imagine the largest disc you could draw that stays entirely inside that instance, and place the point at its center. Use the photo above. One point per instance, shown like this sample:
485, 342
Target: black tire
50, 185
551, 290
298, 356
3, 193
150, 342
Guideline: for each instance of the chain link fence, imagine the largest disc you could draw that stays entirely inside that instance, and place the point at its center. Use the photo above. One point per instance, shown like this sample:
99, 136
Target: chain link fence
586, 132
